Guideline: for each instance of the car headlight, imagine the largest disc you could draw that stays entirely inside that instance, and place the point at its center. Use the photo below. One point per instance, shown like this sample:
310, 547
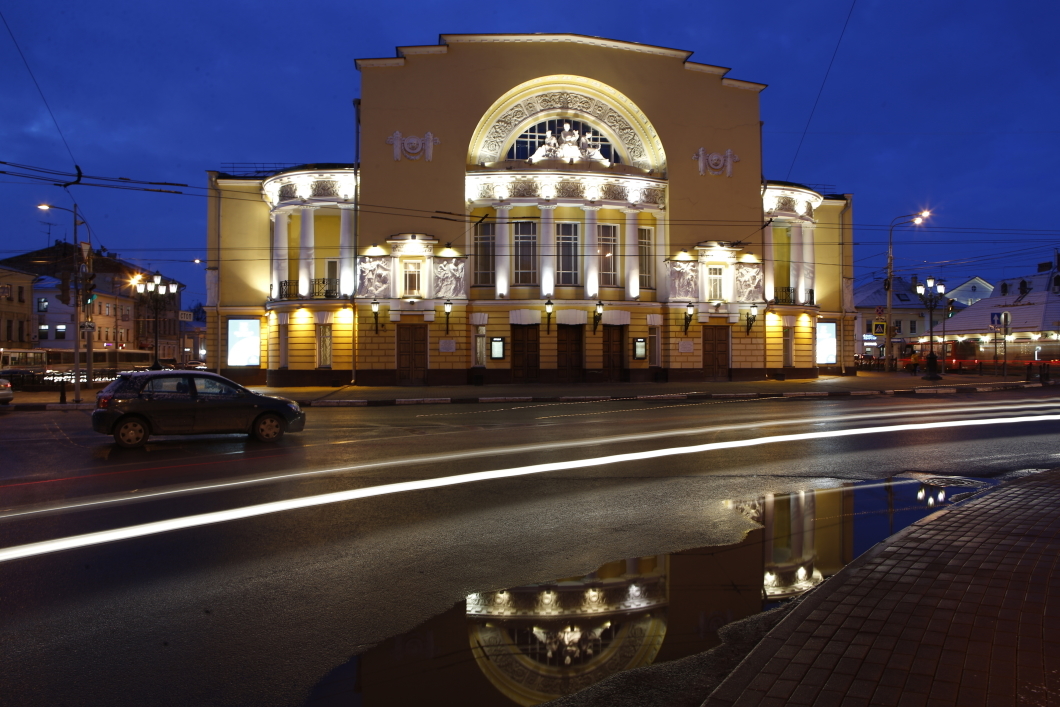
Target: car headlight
294, 406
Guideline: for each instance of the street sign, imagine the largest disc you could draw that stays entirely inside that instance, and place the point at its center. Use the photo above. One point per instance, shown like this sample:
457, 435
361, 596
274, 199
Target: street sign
995, 319
879, 328
879, 312
186, 316
88, 326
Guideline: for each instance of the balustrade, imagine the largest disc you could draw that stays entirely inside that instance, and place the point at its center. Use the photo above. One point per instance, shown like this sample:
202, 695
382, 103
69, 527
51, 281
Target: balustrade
785, 295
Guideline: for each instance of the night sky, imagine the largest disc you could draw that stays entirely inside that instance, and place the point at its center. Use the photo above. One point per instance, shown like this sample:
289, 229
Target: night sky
942, 105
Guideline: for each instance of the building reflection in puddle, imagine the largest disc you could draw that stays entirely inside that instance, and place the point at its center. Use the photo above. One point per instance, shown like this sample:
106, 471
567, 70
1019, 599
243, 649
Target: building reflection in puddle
532, 644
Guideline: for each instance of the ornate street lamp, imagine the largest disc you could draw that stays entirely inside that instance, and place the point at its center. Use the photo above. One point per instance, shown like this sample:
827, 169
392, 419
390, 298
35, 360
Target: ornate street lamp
690, 311
915, 219
931, 294
752, 316
157, 296
548, 315
375, 314
448, 307
598, 314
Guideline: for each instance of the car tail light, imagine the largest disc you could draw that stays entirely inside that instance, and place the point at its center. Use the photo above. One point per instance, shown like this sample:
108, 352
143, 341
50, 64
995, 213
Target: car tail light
102, 401
5, 385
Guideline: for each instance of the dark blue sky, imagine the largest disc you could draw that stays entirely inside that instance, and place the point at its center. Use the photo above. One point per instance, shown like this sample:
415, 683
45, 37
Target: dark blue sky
950, 106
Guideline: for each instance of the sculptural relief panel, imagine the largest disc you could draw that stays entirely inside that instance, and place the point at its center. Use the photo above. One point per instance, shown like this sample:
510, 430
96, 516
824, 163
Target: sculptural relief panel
374, 278
748, 282
450, 281
684, 280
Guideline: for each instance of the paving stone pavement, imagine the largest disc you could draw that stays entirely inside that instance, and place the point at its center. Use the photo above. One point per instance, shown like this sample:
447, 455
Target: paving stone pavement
962, 608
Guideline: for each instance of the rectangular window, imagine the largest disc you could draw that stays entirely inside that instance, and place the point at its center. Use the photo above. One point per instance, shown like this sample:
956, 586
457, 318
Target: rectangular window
42, 332
60, 331
323, 346
647, 261
524, 235
789, 346
608, 255
42, 304
107, 306
485, 254
567, 254
21, 331
21, 293
412, 278
912, 326
653, 346
714, 274
897, 326
10, 330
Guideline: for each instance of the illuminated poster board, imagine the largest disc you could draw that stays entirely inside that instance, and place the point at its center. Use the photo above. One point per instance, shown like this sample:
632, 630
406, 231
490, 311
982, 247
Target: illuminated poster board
640, 348
497, 347
826, 343
244, 342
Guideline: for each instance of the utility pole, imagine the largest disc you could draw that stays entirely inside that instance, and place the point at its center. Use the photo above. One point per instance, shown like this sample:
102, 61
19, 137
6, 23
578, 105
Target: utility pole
89, 287
77, 316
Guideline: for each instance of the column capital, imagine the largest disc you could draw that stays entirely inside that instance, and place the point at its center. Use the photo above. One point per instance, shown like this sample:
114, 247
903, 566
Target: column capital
502, 206
346, 207
590, 207
632, 210
307, 207
547, 206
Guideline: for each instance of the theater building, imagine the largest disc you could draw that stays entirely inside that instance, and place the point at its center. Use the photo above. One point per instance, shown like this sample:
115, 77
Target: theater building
550, 208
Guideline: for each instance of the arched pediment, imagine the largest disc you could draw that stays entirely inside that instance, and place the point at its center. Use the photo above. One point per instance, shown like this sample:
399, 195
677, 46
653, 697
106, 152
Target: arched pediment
575, 97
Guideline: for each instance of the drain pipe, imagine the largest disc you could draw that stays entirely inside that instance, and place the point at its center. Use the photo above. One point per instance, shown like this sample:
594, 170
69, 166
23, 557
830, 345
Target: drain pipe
843, 285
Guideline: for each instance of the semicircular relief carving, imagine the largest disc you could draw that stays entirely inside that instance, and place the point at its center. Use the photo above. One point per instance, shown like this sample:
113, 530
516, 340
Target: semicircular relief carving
627, 126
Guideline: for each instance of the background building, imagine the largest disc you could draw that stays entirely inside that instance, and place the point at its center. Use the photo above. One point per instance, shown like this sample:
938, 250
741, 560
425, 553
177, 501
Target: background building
910, 316
16, 309
551, 208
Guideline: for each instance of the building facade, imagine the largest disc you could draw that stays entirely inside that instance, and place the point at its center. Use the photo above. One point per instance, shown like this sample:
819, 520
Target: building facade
16, 309
911, 320
550, 208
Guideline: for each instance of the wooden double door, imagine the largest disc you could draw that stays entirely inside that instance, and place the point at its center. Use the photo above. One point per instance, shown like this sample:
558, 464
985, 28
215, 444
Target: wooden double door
570, 348
526, 353
716, 352
412, 354
614, 351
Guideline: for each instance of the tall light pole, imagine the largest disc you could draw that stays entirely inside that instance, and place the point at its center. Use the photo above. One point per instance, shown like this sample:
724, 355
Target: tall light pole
916, 219
931, 295
78, 304
157, 295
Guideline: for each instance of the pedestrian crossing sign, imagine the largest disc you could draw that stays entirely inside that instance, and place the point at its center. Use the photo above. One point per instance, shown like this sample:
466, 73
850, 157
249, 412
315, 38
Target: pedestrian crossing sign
879, 328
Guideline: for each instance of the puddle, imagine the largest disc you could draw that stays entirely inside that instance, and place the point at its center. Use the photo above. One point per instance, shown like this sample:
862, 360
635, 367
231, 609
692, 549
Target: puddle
531, 644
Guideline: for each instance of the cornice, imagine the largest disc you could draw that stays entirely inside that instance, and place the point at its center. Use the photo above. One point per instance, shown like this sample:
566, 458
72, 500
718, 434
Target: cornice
572, 38
745, 85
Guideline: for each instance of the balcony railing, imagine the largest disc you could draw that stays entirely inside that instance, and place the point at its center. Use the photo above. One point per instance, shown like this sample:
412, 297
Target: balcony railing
324, 288
319, 288
785, 295
808, 299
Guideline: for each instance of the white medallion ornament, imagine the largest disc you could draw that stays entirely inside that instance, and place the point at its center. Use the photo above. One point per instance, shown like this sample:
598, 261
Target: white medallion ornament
412, 147
715, 162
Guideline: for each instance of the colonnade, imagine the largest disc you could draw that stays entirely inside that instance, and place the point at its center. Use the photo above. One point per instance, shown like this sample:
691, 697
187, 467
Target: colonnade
307, 249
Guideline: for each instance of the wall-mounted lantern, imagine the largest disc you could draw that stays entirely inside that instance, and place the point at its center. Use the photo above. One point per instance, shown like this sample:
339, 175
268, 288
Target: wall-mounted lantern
598, 314
375, 313
752, 315
448, 307
690, 311
548, 315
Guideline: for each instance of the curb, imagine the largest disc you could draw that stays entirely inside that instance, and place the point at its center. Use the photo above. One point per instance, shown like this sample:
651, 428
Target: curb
662, 397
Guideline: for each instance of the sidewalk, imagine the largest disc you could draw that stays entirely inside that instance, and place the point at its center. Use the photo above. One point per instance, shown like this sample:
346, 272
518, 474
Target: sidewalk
961, 608
865, 383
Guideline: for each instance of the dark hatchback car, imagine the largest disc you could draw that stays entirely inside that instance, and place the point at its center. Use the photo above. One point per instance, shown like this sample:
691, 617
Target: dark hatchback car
139, 404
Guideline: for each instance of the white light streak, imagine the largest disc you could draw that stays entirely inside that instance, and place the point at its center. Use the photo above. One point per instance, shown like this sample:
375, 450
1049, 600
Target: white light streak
165, 526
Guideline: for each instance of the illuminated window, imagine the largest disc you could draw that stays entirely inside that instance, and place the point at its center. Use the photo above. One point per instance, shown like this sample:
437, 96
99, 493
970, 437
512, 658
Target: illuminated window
60, 331
608, 255
42, 332
524, 235
526, 144
714, 274
42, 304
647, 261
412, 277
566, 254
485, 253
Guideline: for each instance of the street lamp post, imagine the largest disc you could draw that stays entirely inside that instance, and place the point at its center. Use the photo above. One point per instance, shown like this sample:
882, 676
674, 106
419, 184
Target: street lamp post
157, 295
931, 295
78, 304
916, 219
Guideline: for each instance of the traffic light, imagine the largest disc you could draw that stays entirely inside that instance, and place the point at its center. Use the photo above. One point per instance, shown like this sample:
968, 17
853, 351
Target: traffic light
64, 288
88, 291
950, 309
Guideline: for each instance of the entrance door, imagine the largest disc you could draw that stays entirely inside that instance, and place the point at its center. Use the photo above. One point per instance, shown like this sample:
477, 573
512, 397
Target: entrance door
569, 352
412, 354
716, 352
526, 353
614, 352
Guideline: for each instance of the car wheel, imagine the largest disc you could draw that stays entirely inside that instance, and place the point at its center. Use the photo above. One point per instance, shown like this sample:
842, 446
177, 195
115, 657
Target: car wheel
268, 428
131, 432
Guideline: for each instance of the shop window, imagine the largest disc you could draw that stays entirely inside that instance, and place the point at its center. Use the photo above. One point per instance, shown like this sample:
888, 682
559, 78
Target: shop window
608, 236
485, 253
567, 254
647, 259
525, 246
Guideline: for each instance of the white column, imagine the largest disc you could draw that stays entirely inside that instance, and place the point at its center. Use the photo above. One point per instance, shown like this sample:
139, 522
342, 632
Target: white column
592, 254
662, 249
279, 251
347, 253
809, 259
631, 250
427, 276
502, 252
798, 272
306, 252
768, 283
546, 245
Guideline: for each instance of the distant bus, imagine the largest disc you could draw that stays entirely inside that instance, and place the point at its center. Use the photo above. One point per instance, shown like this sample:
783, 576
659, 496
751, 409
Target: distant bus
62, 360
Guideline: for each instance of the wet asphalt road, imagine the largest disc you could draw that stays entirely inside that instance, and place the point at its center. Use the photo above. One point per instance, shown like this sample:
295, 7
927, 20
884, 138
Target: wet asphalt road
258, 611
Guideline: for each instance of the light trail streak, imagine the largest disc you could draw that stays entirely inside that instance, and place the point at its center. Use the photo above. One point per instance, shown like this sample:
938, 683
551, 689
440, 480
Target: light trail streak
122, 498
106, 536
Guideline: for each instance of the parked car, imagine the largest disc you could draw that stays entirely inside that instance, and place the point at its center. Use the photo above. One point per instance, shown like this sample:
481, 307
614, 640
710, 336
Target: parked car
193, 365
139, 404
6, 396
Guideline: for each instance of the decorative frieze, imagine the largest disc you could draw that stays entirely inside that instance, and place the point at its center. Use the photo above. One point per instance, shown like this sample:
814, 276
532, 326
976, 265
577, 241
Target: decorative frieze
450, 281
748, 282
684, 279
374, 280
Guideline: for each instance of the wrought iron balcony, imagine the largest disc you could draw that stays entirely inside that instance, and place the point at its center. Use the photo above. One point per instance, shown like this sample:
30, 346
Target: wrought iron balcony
785, 295
288, 289
324, 288
808, 299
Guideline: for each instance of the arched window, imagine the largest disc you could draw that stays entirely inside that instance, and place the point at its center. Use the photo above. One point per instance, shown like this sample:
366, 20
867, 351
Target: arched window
1023, 287
534, 137
1004, 289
